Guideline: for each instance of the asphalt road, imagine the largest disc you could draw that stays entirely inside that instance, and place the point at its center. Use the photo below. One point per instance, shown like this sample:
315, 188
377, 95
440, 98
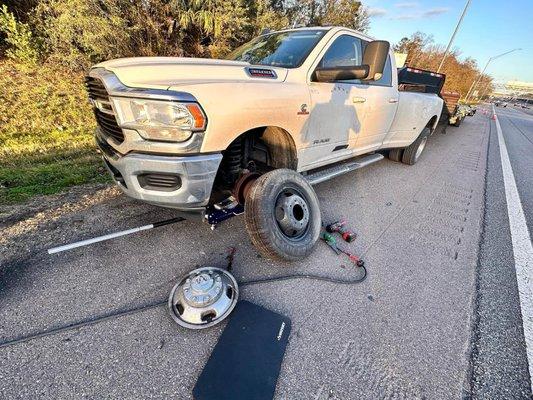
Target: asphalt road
431, 320
500, 364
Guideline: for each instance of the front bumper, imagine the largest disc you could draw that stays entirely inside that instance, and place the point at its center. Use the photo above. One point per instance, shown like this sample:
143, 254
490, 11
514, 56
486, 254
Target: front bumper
196, 175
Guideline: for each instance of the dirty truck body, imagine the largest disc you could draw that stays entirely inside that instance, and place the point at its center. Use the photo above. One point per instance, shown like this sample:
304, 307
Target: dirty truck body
288, 109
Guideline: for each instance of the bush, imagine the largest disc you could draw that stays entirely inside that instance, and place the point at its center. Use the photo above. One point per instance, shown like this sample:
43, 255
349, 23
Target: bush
79, 33
42, 109
21, 46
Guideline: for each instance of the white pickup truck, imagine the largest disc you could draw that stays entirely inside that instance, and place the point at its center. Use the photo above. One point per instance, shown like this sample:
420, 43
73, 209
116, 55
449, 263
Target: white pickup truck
253, 132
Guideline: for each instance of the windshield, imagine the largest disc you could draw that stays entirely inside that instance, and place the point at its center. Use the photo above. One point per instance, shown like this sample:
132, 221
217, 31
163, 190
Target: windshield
283, 49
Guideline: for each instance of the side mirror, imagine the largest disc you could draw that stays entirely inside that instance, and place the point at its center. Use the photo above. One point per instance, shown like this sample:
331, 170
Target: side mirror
341, 73
374, 57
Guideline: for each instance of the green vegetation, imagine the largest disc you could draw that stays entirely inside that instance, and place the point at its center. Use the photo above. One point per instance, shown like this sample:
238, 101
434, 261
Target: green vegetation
46, 141
27, 180
18, 37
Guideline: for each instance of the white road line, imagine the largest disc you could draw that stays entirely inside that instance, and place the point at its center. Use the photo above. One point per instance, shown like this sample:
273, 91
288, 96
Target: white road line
522, 246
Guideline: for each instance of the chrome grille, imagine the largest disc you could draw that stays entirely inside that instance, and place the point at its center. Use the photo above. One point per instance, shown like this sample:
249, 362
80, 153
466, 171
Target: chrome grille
108, 124
106, 119
96, 88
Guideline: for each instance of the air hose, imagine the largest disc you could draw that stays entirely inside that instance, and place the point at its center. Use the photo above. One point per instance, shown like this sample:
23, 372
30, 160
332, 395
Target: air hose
231, 255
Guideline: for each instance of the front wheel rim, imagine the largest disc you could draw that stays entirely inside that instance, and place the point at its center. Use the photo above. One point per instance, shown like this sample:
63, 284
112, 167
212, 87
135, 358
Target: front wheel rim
292, 213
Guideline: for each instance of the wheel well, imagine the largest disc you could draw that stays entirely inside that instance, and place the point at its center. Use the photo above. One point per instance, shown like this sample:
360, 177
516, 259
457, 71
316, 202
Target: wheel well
281, 147
257, 150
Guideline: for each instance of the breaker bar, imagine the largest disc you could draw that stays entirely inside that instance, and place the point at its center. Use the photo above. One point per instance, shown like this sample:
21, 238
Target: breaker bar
102, 238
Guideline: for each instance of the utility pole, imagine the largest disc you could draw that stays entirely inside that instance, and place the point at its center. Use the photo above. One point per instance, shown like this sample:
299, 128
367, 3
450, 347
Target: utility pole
478, 79
453, 36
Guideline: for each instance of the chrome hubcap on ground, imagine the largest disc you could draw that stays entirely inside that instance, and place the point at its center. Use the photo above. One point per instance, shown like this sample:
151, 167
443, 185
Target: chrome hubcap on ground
203, 298
421, 147
292, 213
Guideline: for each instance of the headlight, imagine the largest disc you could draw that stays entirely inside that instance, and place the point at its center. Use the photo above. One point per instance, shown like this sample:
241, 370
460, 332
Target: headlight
159, 120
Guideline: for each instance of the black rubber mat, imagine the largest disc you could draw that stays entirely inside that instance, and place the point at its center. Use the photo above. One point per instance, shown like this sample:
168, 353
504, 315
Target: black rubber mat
246, 361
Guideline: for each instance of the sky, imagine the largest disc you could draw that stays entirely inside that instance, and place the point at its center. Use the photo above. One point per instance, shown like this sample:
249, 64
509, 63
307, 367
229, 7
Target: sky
489, 28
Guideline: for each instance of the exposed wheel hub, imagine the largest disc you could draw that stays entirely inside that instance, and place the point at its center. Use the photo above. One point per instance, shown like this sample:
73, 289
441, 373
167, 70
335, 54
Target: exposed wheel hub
203, 298
243, 185
292, 213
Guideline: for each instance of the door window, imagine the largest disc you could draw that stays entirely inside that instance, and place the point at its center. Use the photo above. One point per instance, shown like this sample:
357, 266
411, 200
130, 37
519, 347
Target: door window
345, 51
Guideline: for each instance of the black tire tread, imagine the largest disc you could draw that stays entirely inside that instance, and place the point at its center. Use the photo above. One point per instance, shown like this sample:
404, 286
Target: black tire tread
396, 154
409, 153
258, 237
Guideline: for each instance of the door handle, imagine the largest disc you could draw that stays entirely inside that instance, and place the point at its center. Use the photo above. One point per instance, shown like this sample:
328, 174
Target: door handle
393, 100
358, 99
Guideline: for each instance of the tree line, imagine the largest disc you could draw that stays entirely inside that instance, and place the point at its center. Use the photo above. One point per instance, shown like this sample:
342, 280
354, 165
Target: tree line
75, 34
423, 53
78, 33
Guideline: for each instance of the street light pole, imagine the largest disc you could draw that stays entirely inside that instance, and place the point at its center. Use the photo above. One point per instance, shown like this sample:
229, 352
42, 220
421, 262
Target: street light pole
478, 79
484, 91
453, 36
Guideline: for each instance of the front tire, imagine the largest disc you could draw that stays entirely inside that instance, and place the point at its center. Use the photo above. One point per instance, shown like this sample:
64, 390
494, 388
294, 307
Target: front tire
413, 152
282, 215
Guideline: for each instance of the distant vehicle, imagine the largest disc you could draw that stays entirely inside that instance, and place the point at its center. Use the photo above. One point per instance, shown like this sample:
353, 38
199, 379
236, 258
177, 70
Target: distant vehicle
504, 104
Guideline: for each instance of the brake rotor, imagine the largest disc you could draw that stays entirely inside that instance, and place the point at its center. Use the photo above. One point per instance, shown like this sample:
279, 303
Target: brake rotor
203, 298
243, 185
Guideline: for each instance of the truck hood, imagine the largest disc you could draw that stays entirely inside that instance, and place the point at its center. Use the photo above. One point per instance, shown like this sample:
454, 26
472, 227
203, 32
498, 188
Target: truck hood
165, 72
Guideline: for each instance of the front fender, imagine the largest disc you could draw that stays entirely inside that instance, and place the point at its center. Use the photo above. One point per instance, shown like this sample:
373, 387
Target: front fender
235, 108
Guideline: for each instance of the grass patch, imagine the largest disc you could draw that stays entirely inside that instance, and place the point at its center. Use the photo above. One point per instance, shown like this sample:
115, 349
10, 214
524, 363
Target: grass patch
21, 182
46, 133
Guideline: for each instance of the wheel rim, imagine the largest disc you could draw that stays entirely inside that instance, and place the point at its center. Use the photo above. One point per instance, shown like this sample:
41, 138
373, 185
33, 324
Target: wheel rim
292, 213
421, 147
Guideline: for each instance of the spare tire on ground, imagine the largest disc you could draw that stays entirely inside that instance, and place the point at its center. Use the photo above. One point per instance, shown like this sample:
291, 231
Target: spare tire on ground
282, 215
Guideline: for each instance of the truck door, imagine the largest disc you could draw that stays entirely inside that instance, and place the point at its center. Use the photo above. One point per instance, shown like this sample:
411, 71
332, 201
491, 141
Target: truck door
381, 105
337, 111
